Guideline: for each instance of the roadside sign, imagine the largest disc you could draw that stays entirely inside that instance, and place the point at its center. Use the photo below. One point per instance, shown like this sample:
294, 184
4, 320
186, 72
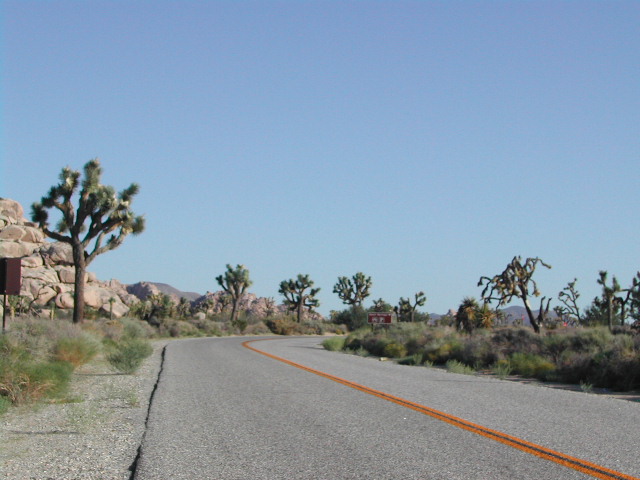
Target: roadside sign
380, 318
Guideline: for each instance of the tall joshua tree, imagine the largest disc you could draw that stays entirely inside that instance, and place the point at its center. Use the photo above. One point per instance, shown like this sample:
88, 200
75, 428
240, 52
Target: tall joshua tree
101, 216
516, 281
352, 291
299, 295
235, 282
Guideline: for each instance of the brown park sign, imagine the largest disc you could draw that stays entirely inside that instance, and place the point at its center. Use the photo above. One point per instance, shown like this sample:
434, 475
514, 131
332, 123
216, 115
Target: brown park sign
380, 318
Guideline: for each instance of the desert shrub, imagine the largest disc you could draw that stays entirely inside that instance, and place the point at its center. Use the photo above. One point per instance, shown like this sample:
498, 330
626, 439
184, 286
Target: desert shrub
531, 365
75, 350
509, 340
282, 325
134, 328
259, 328
415, 359
454, 366
334, 344
394, 350
127, 356
441, 349
5, 403
177, 328
352, 318
477, 349
25, 378
355, 338
591, 340
502, 368
53, 376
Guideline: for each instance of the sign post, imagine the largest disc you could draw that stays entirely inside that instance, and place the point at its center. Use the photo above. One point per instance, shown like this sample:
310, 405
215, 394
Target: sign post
380, 318
10, 277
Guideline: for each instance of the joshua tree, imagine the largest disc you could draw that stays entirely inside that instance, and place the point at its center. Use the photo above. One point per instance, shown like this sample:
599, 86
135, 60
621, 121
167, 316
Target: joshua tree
235, 282
352, 291
112, 300
405, 307
183, 308
635, 297
515, 281
569, 296
100, 212
296, 296
380, 305
467, 313
608, 300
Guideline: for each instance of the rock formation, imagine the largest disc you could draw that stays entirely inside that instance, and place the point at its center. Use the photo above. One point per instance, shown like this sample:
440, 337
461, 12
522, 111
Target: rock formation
47, 268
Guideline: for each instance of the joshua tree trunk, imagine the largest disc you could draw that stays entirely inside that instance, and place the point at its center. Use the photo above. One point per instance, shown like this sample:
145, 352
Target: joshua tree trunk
534, 323
300, 307
78, 296
234, 312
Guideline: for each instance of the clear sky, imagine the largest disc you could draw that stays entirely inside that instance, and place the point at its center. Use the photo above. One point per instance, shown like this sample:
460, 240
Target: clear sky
424, 143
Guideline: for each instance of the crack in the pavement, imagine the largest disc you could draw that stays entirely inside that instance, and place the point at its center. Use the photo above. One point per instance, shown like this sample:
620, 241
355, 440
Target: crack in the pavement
134, 465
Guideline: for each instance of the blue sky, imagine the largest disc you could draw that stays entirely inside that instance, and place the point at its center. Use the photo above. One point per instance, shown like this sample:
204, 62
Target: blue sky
422, 143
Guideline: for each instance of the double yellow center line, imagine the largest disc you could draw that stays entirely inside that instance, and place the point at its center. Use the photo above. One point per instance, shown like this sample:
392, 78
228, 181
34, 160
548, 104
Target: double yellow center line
583, 466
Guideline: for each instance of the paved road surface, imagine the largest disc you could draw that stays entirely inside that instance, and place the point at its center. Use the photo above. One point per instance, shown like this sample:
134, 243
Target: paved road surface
222, 411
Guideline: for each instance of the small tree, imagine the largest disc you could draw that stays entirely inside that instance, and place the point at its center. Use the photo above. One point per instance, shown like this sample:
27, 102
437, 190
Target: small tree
100, 213
299, 295
569, 297
183, 309
352, 291
235, 282
515, 281
466, 315
161, 305
408, 309
380, 305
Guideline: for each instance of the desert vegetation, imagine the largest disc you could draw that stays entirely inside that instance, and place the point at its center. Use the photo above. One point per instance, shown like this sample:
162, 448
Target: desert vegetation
38, 356
591, 356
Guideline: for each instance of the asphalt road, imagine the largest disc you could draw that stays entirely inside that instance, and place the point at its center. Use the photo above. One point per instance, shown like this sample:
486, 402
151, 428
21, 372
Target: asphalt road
223, 411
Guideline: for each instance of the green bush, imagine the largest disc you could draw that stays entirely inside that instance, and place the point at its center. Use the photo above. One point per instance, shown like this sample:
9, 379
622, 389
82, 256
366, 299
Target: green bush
442, 349
134, 328
128, 355
502, 368
415, 359
25, 378
531, 365
334, 344
5, 403
76, 350
454, 366
394, 350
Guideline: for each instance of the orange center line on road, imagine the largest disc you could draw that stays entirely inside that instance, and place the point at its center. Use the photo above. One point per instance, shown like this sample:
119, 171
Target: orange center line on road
583, 466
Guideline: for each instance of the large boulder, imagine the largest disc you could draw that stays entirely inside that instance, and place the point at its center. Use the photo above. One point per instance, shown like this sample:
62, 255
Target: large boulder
64, 300
17, 249
57, 253
12, 210
34, 260
22, 232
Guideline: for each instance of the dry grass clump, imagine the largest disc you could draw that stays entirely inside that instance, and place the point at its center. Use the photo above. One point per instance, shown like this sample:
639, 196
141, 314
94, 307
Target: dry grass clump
26, 377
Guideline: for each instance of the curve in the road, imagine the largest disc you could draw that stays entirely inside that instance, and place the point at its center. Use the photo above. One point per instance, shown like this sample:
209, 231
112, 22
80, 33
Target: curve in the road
583, 466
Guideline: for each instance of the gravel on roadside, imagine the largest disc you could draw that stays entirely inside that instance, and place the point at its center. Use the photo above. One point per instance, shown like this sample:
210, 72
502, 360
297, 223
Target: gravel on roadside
94, 437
